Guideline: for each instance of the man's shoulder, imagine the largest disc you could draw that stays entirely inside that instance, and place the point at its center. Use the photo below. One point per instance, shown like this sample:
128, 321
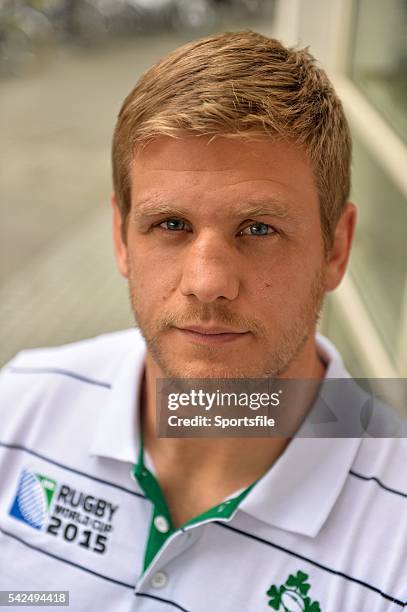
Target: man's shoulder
95, 359
94, 349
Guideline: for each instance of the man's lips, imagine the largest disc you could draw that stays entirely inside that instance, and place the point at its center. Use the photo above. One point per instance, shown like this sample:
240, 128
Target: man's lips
210, 330
211, 335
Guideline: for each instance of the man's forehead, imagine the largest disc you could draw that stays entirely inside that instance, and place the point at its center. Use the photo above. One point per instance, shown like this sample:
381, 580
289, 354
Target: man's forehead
243, 177
217, 154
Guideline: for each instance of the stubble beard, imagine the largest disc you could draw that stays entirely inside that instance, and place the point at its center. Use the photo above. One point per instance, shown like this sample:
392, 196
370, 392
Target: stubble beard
276, 360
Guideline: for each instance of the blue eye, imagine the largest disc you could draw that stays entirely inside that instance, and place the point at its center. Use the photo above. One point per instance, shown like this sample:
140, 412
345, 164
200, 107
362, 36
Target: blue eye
257, 229
174, 225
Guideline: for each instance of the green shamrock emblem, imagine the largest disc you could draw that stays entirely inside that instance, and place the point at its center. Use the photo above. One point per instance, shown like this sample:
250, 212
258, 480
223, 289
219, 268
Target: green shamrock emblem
292, 596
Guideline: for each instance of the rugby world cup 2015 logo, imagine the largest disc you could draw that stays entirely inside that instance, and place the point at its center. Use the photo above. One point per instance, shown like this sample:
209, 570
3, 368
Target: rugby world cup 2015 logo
33, 498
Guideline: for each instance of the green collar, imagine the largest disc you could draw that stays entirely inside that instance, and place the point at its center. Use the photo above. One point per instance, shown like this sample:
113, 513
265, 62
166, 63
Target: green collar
161, 527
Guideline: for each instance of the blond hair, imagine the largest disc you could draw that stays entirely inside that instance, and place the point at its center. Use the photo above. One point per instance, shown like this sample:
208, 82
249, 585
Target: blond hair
245, 85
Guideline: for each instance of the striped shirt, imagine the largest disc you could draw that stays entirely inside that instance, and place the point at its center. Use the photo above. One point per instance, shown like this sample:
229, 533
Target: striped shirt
324, 529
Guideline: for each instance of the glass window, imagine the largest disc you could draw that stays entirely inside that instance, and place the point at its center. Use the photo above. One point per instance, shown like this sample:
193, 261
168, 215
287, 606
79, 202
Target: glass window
337, 331
378, 57
379, 257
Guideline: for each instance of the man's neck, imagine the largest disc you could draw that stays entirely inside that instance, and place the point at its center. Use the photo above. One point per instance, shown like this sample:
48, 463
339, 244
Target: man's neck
197, 473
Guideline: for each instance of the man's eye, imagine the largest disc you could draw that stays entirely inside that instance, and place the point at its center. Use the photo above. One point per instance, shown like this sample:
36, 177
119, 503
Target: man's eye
257, 229
174, 225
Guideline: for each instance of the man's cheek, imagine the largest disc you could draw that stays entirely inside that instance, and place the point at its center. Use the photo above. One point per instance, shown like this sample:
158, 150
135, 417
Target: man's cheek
270, 292
149, 295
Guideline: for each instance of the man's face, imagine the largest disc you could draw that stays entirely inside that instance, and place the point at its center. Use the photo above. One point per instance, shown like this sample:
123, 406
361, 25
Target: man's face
224, 256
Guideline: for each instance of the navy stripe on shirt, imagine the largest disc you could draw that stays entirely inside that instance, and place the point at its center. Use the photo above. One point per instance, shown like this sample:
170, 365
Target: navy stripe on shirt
312, 562
377, 481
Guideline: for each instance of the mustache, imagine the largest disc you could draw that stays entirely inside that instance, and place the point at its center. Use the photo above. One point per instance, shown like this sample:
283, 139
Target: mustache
209, 314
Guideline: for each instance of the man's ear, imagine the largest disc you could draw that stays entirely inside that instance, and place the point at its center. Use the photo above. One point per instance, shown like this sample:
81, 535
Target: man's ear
338, 256
120, 248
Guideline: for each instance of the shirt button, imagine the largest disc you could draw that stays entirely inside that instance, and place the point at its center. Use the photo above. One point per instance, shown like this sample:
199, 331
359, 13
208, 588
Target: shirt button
159, 580
161, 524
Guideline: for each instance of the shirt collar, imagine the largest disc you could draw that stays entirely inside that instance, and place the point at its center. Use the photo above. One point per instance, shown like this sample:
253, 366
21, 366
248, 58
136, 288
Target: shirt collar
298, 493
118, 430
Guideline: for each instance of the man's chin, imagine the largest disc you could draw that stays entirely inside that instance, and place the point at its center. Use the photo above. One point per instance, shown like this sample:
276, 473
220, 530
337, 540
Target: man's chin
172, 367
210, 371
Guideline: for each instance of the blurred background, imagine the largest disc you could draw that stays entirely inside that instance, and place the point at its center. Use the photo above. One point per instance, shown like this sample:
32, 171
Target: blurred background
66, 66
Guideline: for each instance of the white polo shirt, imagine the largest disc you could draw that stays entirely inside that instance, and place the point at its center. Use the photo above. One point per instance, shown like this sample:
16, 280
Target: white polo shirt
324, 529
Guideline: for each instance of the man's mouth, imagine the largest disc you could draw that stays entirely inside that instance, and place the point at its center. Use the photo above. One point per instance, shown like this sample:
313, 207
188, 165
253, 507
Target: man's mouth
211, 334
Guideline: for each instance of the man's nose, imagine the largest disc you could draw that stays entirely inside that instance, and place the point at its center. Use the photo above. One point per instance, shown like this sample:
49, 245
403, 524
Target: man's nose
210, 269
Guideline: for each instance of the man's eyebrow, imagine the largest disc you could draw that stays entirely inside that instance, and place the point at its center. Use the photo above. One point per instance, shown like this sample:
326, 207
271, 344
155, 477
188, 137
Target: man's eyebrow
272, 207
152, 208
267, 206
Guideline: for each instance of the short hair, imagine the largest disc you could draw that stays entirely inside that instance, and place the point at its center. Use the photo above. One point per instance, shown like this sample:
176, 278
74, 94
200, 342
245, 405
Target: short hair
244, 85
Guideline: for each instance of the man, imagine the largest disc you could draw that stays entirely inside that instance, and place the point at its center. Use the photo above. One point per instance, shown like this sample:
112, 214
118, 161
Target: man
231, 168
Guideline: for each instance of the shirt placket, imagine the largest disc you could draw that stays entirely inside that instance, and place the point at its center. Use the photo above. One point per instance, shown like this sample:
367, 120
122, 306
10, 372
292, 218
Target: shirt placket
161, 526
